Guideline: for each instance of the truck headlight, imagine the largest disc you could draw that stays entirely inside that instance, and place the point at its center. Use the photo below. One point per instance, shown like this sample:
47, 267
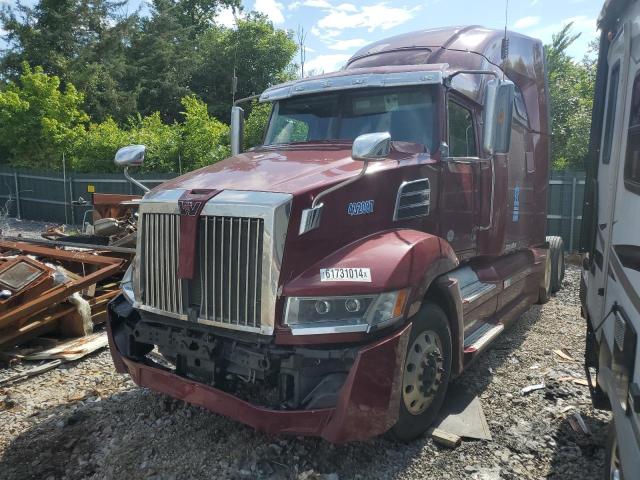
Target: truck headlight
126, 284
357, 313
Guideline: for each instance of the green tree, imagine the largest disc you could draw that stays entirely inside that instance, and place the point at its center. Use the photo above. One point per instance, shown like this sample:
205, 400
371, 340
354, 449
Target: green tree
163, 142
40, 120
256, 124
259, 53
205, 140
81, 41
94, 151
571, 88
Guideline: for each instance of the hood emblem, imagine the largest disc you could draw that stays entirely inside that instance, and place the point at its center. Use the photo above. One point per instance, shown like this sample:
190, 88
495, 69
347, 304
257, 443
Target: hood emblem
190, 205
190, 208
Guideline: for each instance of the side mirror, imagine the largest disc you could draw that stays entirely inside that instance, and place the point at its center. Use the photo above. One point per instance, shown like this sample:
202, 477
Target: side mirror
498, 116
131, 156
237, 130
371, 147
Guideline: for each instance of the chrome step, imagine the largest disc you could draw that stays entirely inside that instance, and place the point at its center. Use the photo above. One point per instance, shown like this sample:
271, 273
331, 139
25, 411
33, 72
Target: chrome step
482, 336
471, 287
476, 290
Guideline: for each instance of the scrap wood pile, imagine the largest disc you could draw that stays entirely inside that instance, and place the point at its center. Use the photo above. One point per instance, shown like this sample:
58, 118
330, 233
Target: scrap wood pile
47, 290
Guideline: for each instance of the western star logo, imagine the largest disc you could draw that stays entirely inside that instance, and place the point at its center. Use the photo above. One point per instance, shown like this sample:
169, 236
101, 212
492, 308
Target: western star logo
190, 205
190, 208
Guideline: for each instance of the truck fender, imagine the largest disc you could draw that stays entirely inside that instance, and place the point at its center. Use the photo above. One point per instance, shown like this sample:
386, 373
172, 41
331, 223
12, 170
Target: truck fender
396, 259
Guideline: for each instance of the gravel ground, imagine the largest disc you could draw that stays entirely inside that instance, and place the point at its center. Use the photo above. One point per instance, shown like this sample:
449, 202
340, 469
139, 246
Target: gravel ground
83, 420
12, 227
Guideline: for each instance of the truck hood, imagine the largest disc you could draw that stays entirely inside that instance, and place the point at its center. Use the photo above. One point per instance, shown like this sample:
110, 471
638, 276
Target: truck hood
286, 170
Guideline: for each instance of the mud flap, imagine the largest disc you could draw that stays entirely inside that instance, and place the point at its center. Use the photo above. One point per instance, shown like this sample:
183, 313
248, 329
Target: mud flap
599, 399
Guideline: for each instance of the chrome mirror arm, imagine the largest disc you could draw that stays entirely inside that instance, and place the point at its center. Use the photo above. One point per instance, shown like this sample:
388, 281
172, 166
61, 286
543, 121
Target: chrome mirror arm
134, 181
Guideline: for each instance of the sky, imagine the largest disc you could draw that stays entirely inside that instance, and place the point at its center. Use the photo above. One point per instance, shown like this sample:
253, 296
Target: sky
335, 29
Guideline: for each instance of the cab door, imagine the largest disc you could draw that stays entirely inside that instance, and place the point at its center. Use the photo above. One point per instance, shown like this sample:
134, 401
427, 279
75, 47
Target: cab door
460, 168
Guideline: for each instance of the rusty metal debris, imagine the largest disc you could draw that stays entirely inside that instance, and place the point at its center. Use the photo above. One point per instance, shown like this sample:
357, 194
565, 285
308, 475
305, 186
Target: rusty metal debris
114, 223
51, 289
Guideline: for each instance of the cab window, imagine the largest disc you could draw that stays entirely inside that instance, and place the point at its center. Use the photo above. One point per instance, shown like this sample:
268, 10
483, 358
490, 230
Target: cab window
611, 113
521, 108
462, 137
632, 157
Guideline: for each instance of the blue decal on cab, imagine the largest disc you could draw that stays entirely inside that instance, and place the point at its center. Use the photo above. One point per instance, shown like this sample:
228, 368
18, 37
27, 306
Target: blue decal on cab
516, 204
360, 208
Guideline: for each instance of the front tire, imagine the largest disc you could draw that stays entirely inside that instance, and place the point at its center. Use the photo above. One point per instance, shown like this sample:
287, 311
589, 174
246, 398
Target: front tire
426, 374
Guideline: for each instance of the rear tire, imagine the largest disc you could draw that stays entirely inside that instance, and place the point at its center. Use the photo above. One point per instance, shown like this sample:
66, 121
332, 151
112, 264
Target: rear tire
544, 291
612, 465
556, 250
426, 374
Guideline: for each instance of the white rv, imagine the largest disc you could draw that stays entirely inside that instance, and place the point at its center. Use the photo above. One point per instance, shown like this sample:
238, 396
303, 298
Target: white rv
610, 287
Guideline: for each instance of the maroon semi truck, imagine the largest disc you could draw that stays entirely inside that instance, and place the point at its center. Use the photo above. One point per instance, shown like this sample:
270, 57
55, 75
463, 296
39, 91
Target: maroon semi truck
333, 280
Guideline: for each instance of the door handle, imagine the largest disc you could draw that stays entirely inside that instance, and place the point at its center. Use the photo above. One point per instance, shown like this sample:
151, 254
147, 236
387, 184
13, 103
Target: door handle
483, 228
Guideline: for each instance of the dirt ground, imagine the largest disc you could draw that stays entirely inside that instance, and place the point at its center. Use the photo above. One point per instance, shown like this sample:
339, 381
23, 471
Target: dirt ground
83, 420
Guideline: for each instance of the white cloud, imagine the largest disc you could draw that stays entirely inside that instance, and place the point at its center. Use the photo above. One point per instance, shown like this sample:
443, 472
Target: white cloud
347, 44
324, 4
226, 17
347, 7
317, 4
371, 17
326, 63
271, 8
526, 22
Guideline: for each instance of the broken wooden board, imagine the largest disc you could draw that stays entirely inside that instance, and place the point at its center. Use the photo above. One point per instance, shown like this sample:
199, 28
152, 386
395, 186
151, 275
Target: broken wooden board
444, 438
32, 372
72, 349
462, 415
564, 355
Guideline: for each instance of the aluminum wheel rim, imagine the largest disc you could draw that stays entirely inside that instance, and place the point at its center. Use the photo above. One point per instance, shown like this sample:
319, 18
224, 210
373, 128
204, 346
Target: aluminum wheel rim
423, 372
614, 468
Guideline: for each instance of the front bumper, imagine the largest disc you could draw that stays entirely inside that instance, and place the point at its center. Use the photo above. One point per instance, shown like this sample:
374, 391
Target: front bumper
368, 404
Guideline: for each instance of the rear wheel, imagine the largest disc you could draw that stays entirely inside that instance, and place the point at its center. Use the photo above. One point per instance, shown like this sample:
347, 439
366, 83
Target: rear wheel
556, 250
545, 289
427, 370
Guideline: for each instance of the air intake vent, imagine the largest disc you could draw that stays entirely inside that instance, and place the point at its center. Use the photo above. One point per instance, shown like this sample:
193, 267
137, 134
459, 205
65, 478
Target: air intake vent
413, 200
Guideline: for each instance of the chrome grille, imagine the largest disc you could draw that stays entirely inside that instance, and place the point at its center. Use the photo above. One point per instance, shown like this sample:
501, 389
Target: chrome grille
162, 288
226, 289
230, 270
238, 292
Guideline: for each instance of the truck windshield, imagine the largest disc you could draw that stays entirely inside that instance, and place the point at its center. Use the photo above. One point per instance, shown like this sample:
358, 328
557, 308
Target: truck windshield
407, 113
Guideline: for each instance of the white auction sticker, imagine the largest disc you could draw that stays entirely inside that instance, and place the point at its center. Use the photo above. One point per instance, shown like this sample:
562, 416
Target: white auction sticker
353, 274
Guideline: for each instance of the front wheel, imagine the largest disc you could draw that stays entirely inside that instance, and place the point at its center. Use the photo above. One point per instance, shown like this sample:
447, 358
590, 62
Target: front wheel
427, 370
